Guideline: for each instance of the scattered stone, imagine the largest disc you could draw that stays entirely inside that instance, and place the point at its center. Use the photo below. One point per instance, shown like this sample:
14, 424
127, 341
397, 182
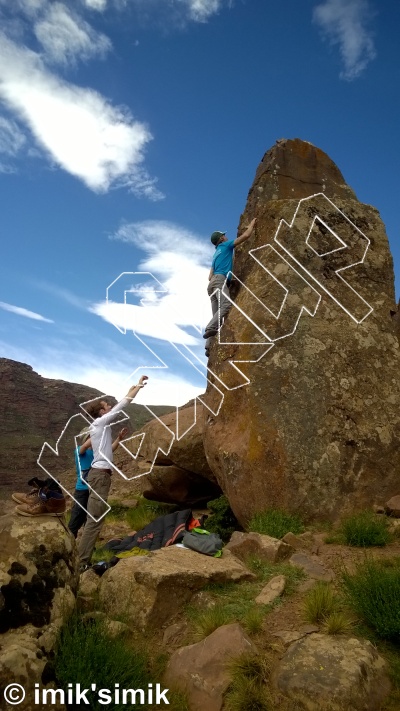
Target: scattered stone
117, 629
201, 670
378, 509
308, 629
288, 636
88, 583
151, 590
264, 547
392, 507
306, 585
303, 540
322, 670
128, 503
203, 600
174, 633
312, 568
272, 590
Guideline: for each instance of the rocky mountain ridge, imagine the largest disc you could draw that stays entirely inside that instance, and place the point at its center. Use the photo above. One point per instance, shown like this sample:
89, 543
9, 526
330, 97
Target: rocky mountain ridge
36, 409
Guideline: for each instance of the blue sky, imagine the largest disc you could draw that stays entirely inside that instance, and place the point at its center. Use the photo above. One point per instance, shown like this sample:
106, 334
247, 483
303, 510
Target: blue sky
131, 129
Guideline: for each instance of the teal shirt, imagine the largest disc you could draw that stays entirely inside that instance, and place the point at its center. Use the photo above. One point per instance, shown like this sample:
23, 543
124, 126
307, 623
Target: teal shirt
83, 462
223, 258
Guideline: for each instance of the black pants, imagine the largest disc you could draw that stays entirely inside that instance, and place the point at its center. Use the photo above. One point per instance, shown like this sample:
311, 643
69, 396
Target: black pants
78, 515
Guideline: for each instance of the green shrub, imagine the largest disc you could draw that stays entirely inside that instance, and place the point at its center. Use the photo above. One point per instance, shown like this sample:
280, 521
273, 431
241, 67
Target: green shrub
222, 519
320, 603
86, 654
373, 592
365, 529
275, 523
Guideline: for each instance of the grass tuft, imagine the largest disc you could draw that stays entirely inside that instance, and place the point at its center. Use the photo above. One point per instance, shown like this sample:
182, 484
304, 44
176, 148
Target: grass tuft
373, 592
207, 621
275, 523
250, 666
320, 603
253, 620
338, 622
365, 529
247, 695
247, 690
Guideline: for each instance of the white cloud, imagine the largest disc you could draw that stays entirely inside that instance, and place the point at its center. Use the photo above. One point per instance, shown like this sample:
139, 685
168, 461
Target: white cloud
19, 311
344, 22
11, 137
66, 36
201, 10
180, 260
175, 12
99, 5
83, 133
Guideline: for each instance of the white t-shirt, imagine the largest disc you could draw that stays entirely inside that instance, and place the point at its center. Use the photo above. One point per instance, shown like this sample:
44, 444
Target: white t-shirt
101, 437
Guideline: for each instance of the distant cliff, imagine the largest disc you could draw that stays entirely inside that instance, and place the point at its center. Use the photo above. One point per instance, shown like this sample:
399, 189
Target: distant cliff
35, 409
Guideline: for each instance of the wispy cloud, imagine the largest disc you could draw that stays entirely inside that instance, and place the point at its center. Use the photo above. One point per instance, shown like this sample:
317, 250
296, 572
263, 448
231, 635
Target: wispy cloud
66, 37
61, 293
346, 23
78, 128
19, 311
11, 137
99, 5
180, 261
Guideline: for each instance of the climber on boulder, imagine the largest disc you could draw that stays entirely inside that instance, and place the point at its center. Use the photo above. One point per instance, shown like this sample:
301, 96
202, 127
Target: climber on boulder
219, 279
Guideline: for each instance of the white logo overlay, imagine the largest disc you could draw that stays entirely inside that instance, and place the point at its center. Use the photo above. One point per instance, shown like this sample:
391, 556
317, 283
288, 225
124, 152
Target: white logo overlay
289, 264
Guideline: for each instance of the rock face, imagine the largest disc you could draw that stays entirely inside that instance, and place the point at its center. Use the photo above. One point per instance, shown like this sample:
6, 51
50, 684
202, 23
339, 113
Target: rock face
316, 428
38, 582
322, 670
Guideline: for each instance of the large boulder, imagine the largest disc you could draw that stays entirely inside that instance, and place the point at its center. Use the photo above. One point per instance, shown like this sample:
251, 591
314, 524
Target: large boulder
315, 427
325, 671
38, 582
202, 670
149, 591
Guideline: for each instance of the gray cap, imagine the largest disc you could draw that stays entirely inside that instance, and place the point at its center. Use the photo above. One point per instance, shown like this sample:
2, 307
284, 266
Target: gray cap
216, 236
